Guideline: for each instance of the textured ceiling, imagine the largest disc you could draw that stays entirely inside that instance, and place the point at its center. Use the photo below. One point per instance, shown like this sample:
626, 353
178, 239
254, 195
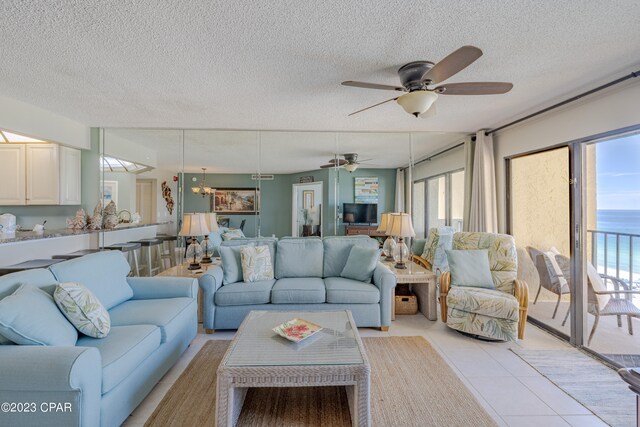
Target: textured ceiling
282, 152
278, 65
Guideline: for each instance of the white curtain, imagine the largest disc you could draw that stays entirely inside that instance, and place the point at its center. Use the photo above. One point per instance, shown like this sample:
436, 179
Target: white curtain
469, 146
483, 215
399, 205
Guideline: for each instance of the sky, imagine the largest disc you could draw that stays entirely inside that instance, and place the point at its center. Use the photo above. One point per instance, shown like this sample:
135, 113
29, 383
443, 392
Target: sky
618, 173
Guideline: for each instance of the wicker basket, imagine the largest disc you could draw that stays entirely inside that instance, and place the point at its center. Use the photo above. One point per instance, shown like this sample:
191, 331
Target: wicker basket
407, 303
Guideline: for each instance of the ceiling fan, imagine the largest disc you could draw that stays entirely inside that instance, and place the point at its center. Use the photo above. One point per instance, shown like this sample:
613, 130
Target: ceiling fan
350, 162
419, 77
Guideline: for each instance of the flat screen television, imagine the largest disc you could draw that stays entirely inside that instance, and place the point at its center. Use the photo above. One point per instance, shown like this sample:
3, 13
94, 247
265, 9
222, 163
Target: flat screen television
359, 213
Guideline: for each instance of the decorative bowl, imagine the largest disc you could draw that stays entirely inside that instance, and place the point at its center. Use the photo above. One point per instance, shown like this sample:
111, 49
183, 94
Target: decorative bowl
296, 329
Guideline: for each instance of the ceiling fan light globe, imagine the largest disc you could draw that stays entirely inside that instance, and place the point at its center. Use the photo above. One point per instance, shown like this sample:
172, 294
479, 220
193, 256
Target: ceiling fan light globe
351, 166
417, 102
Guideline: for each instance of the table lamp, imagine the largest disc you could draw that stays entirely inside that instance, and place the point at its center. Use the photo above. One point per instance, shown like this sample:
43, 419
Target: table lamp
193, 225
389, 244
401, 227
212, 225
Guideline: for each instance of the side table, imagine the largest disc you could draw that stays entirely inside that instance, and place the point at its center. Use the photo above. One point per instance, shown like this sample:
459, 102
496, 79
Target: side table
181, 270
422, 282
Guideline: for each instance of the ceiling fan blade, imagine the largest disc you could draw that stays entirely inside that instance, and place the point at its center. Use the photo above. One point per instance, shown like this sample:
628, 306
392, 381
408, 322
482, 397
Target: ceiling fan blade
475, 88
374, 105
330, 165
453, 64
365, 85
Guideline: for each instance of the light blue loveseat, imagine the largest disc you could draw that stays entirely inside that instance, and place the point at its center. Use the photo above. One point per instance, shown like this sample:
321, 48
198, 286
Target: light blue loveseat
307, 277
153, 321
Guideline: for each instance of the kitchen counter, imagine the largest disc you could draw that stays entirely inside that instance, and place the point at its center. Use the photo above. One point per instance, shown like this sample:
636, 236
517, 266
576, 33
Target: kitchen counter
23, 236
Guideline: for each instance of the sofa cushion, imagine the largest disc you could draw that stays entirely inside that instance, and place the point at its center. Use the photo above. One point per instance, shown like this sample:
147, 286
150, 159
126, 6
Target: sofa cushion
360, 264
30, 317
298, 290
241, 293
169, 314
82, 309
488, 302
347, 291
260, 241
256, 263
231, 264
122, 351
232, 234
299, 257
337, 249
104, 273
39, 277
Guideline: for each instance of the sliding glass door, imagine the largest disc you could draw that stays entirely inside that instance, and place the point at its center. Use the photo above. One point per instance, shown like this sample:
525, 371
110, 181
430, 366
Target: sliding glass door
438, 201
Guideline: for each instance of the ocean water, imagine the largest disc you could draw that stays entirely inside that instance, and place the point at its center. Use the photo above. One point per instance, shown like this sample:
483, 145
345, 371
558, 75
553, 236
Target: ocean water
619, 221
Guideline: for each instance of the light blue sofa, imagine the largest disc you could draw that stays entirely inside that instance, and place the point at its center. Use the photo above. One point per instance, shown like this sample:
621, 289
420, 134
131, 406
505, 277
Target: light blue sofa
153, 321
307, 277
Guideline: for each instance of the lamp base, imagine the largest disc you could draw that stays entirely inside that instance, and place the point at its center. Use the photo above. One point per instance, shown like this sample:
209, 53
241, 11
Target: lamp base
401, 265
194, 266
206, 260
389, 258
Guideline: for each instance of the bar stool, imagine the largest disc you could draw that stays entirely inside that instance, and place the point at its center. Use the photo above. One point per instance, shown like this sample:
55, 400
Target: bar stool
130, 250
153, 261
76, 254
28, 265
168, 248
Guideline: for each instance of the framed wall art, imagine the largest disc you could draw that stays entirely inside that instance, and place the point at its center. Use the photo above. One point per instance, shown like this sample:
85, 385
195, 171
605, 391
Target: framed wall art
236, 201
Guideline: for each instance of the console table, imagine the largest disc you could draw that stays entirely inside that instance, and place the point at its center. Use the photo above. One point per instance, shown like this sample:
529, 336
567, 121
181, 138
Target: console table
363, 230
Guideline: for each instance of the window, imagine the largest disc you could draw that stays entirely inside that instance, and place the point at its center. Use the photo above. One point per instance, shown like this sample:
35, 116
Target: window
438, 202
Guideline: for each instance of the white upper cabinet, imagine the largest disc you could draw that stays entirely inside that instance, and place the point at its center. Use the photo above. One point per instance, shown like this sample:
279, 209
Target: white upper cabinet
70, 176
12, 174
43, 174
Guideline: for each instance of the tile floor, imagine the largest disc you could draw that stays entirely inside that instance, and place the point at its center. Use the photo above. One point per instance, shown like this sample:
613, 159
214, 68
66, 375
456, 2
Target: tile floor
508, 388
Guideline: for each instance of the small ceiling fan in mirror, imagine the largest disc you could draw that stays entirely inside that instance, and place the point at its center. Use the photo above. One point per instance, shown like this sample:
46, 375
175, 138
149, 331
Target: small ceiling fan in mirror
419, 77
349, 161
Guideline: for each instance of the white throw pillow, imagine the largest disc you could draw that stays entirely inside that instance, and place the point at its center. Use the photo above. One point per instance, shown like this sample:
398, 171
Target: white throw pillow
256, 263
552, 257
83, 309
598, 285
233, 234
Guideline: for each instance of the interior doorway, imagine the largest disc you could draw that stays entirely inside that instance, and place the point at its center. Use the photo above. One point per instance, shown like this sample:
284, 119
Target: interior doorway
146, 200
306, 211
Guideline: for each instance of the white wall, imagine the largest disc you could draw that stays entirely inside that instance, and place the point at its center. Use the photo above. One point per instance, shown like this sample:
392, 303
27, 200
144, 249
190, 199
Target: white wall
162, 214
605, 111
35, 122
121, 148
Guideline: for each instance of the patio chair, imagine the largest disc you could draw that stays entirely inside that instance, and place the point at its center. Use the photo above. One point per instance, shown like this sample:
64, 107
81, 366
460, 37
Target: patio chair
549, 277
602, 302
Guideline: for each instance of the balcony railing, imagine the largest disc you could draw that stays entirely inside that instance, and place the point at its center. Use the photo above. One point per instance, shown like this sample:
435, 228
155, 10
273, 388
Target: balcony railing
618, 263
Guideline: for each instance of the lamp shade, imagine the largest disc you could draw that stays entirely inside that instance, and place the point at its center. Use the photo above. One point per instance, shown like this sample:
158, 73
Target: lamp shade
387, 229
194, 224
401, 225
417, 102
384, 222
212, 221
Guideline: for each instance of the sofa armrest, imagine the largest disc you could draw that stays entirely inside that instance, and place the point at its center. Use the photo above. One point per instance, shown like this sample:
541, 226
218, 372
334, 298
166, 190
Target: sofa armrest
61, 384
385, 281
209, 282
521, 292
445, 285
163, 287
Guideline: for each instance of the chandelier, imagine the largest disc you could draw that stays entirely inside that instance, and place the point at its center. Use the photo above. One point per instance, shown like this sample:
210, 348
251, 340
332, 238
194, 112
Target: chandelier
203, 189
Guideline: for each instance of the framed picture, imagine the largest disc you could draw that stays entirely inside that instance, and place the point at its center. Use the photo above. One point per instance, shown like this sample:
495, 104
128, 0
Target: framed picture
307, 199
366, 190
236, 201
109, 192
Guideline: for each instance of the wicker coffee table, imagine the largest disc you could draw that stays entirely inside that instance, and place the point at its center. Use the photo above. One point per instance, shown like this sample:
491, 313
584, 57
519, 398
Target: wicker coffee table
258, 357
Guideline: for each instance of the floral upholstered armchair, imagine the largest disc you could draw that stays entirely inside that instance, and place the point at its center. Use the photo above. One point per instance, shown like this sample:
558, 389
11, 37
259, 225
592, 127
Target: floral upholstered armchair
499, 313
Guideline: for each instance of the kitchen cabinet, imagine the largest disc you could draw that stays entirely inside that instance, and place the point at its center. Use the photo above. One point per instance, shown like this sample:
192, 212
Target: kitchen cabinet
70, 176
43, 174
40, 174
12, 174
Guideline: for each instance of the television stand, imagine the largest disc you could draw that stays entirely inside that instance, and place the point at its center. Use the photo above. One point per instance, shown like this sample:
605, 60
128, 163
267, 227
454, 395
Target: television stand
363, 230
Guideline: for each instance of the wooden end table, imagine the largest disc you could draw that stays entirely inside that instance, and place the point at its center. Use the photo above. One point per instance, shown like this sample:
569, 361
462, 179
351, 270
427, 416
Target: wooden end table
422, 282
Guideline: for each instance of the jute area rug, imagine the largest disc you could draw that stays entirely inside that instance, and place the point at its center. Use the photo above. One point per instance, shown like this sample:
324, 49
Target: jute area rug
411, 385
587, 380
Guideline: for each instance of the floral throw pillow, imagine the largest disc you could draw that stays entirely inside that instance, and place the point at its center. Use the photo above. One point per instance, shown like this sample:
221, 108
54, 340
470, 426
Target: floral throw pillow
256, 263
81, 307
